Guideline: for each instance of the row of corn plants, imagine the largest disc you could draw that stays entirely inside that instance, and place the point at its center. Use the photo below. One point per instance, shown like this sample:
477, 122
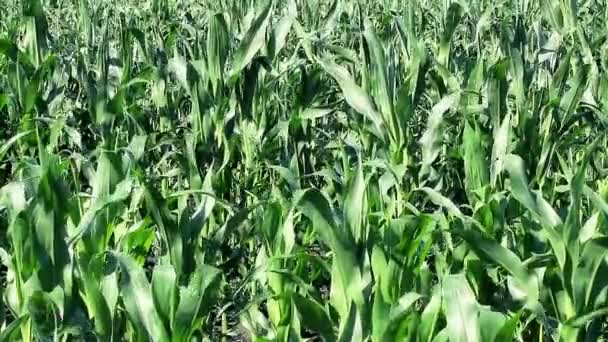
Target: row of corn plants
303, 170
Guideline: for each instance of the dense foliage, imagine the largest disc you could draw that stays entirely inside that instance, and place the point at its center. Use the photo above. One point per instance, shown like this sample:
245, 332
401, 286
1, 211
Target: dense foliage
332, 170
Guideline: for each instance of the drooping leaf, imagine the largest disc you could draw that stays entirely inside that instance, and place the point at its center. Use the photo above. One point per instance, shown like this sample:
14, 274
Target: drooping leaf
487, 248
314, 317
442, 201
10, 142
353, 94
521, 191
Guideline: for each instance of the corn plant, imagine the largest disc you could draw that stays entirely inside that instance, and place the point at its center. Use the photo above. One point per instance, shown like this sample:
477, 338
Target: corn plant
303, 170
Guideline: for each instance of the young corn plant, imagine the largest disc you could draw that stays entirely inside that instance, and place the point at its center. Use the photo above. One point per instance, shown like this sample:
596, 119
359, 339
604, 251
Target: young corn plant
300, 170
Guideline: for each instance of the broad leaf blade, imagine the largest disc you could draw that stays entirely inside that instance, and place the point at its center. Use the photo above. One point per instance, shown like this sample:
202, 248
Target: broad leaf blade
461, 309
252, 42
138, 300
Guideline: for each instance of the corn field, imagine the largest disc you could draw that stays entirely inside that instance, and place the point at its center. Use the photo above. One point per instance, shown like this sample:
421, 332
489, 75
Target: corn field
303, 170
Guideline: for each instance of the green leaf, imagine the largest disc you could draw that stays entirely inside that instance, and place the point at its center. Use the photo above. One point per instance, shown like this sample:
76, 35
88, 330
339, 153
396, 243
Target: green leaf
137, 146
380, 312
42, 311
496, 89
507, 331
217, 48
345, 265
520, 190
8, 333
442, 336
429, 317
195, 301
87, 221
572, 98
233, 223
582, 320
500, 148
539, 208
431, 139
442, 201
315, 206
585, 274
288, 234
354, 95
475, 167
181, 69
492, 251
315, 113
490, 323
9, 49
332, 15
355, 206
314, 317
252, 42
138, 300
597, 200
166, 222
10, 142
283, 27
404, 305
380, 87
164, 285
351, 328
387, 319
453, 15
193, 226
90, 272
257, 324
461, 309
552, 12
